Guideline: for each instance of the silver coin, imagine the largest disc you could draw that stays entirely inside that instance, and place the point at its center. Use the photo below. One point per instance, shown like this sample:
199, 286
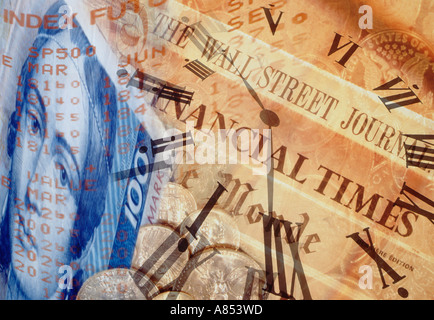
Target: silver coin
117, 284
222, 274
176, 203
219, 228
201, 179
157, 254
173, 295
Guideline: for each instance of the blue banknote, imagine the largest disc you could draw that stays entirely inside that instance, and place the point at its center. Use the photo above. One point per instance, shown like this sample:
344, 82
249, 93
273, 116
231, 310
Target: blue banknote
64, 216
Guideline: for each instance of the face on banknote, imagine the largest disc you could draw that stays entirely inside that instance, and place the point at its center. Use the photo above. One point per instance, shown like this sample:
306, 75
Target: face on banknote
245, 150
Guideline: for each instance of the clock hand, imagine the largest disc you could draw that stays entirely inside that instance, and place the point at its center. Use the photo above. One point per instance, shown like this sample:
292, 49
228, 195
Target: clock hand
267, 116
253, 93
248, 86
157, 146
183, 242
270, 177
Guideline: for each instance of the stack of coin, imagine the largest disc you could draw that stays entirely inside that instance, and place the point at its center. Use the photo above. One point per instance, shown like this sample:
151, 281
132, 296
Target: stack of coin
230, 273
176, 203
219, 228
173, 295
117, 284
157, 254
222, 274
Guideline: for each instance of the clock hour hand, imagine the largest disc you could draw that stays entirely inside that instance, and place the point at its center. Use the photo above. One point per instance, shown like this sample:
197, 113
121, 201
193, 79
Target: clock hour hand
267, 116
270, 177
247, 84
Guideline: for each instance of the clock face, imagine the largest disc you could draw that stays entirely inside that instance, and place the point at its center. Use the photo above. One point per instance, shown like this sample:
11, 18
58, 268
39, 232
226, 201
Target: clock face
217, 150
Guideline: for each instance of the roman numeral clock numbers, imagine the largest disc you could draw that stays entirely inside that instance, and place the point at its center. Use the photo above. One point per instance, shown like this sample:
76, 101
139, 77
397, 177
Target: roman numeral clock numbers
199, 69
394, 94
418, 155
273, 24
381, 264
335, 48
404, 96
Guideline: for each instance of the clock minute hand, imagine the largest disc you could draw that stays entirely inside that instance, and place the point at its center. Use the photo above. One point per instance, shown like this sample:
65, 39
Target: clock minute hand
248, 86
253, 93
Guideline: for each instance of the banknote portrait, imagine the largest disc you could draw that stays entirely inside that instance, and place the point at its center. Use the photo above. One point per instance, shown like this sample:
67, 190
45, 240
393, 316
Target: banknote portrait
61, 159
